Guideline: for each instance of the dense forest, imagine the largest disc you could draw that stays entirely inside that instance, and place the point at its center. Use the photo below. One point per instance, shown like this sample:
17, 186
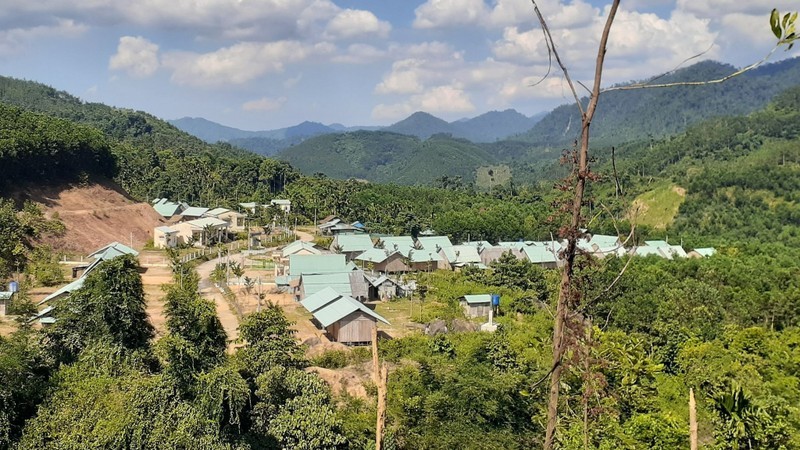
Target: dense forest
727, 326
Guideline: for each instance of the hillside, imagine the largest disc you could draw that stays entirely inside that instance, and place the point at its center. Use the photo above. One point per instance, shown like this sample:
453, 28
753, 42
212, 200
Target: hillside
94, 215
120, 125
643, 114
494, 125
381, 156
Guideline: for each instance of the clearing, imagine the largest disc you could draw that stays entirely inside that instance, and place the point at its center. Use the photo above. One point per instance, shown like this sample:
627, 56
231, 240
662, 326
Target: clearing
94, 215
658, 207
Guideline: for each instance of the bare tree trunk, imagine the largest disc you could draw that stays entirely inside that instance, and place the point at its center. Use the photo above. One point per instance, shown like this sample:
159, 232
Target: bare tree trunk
692, 421
566, 294
381, 408
617, 185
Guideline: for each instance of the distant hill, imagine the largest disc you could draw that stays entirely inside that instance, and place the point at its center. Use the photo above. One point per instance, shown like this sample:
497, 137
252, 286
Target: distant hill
624, 116
382, 156
488, 127
421, 125
494, 125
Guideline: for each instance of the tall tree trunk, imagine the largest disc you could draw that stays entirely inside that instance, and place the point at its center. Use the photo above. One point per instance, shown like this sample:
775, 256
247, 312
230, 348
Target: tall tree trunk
566, 294
692, 421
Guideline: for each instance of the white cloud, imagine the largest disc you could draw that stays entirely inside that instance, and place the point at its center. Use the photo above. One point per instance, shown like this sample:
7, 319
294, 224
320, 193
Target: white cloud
446, 99
264, 104
448, 13
292, 82
360, 54
135, 55
404, 79
13, 40
350, 23
239, 63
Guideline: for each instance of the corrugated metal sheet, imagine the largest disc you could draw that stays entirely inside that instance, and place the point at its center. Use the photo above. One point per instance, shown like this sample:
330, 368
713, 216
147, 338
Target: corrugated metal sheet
352, 242
478, 299
306, 264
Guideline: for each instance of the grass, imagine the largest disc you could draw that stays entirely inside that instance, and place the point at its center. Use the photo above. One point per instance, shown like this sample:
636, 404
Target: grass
658, 207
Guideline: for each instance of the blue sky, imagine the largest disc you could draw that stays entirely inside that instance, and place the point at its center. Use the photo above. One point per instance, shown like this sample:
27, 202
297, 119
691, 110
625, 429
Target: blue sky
263, 64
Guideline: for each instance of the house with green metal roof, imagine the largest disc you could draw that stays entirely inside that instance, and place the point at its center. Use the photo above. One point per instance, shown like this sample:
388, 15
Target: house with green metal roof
546, 257
201, 231
310, 284
434, 243
311, 264
383, 260
344, 318
167, 209
235, 219
300, 248
476, 305
702, 252
165, 237
459, 256
351, 245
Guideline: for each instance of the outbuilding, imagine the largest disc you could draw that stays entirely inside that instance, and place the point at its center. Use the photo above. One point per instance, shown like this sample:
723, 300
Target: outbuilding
344, 318
477, 305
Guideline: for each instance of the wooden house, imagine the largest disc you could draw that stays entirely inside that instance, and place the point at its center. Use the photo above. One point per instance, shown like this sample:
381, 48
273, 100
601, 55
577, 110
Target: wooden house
492, 254
344, 318
476, 305
459, 256
385, 261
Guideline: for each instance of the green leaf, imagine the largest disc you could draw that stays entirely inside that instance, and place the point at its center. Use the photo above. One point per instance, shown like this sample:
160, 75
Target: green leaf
774, 22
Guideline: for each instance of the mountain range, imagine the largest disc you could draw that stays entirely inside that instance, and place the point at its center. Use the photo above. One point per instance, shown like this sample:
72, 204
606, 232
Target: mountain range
488, 127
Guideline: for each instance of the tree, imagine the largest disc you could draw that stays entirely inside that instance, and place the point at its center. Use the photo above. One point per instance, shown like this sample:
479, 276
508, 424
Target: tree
569, 295
109, 307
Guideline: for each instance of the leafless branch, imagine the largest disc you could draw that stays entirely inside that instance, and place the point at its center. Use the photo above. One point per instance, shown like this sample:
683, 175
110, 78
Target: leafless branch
630, 87
551, 50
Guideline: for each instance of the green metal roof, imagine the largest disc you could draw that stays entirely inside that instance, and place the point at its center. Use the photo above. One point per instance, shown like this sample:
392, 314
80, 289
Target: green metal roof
353, 242
477, 299
329, 307
64, 290
166, 208
206, 221
402, 242
119, 248
216, 211
538, 255
462, 254
375, 255
430, 242
707, 251
306, 264
313, 283
298, 246
6, 295
194, 211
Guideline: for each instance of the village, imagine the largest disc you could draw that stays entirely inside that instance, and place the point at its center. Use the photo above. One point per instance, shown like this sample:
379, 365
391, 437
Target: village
334, 280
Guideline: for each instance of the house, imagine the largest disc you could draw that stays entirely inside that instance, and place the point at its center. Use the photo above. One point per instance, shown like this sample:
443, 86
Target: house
648, 250
235, 220
282, 204
670, 251
459, 256
702, 252
165, 237
328, 223
202, 232
351, 245
344, 318
492, 254
382, 260
253, 207
300, 248
352, 283
310, 264
167, 209
434, 243
193, 212
476, 305
544, 256
105, 253
382, 288
479, 245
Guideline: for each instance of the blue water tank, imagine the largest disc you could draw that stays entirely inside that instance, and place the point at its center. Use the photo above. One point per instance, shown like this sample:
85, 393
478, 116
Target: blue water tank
495, 299
13, 286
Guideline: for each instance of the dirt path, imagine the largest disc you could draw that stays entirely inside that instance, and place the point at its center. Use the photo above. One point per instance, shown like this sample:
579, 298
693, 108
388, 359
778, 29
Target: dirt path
228, 318
304, 236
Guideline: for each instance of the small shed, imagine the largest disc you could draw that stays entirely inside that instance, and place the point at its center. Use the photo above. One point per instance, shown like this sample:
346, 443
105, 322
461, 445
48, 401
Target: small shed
344, 318
284, 205
477, 305
702, 252
383, 288
5, 299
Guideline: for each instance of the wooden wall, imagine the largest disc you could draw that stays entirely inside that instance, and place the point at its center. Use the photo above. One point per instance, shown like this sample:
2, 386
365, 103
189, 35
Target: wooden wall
353, 328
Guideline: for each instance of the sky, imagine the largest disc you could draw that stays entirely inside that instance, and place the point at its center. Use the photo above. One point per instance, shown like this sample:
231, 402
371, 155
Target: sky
266, 64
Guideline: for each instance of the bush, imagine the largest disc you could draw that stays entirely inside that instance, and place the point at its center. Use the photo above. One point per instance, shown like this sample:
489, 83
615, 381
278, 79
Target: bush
334, 359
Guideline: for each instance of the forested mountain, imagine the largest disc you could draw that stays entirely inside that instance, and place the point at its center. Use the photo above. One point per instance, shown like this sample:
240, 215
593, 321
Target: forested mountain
494, 125
387, 157
642, 114
118, 125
